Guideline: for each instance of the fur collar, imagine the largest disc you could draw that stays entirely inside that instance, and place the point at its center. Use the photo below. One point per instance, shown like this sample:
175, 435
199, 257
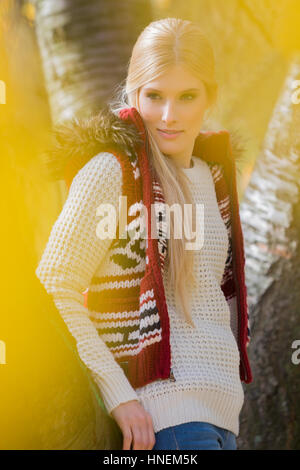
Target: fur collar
78, 140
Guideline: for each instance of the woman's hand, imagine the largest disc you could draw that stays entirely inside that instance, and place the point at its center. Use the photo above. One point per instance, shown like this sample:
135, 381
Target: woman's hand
136, 425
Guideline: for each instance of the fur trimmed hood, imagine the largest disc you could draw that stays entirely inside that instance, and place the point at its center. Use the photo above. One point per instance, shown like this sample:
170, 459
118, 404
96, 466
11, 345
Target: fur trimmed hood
75, 142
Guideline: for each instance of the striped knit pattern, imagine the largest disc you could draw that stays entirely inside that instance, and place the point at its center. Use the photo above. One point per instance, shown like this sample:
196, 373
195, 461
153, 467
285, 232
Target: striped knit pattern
222, 194
161, 223
128, 332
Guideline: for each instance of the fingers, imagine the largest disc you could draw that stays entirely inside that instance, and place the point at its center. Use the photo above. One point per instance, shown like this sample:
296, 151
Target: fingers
140, 436
143, 434
136, 425
151, 434
127, 439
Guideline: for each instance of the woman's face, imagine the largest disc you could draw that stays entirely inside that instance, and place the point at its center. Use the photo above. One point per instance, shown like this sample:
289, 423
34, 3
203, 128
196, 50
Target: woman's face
174, 101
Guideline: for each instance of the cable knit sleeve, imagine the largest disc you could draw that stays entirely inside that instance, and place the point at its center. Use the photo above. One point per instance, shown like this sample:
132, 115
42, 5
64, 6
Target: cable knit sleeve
69, 261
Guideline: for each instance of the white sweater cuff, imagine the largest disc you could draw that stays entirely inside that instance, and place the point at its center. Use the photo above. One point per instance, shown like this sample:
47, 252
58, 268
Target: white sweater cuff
115, 389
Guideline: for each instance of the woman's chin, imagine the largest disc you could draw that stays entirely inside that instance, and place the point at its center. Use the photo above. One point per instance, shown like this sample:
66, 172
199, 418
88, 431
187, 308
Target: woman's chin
168, 150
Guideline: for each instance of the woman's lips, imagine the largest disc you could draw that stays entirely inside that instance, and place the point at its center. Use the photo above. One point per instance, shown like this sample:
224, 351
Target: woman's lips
168, 135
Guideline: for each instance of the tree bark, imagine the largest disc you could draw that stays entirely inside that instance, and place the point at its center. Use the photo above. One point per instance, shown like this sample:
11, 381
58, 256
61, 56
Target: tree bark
270, 215
84, 47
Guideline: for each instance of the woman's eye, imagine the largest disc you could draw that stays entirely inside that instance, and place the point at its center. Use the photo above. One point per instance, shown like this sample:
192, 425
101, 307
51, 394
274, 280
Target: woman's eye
152, 95
186, 96
190, 95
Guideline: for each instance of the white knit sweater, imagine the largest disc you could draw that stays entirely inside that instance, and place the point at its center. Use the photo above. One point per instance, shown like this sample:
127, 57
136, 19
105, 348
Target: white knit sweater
205, 360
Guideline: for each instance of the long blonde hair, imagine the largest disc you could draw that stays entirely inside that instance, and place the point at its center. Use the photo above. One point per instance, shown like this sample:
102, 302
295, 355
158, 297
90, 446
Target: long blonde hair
163, 43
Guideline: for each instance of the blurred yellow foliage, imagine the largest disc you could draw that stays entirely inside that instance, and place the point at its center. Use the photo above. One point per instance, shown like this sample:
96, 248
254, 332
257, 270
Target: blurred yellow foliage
28, 10
286, 32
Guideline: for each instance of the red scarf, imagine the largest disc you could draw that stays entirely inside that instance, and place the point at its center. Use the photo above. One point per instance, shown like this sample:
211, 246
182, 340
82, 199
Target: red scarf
147, 358
215, 148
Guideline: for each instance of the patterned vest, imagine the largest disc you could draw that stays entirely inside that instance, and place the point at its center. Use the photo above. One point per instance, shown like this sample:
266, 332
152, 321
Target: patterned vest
126, 298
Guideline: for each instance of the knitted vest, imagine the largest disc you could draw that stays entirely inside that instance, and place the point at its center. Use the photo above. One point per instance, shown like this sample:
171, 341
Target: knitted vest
131, 280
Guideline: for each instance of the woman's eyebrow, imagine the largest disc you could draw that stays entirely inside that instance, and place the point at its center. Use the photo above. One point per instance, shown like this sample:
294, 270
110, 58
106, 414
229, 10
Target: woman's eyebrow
183, 91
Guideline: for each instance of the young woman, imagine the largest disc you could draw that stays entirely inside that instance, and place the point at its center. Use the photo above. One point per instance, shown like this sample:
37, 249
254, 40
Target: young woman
163, 328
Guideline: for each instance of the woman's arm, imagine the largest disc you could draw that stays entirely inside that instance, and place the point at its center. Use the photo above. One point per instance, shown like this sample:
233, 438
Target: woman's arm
69, 261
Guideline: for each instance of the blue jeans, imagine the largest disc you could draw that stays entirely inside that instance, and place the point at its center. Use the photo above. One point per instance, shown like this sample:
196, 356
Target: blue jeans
195, 435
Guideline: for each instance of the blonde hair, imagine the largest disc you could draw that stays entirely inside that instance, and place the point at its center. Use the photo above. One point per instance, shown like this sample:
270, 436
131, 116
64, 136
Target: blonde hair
164, 43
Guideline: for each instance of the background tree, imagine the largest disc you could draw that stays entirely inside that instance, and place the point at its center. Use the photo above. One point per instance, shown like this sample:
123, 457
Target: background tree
270, 215
85, 47
48, 400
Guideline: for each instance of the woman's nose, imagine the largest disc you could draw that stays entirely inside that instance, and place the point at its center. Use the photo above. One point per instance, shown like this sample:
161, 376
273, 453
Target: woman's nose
169, 113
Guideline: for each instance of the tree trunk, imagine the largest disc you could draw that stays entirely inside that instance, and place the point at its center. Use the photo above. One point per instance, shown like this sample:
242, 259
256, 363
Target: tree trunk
270, 215
85, 47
